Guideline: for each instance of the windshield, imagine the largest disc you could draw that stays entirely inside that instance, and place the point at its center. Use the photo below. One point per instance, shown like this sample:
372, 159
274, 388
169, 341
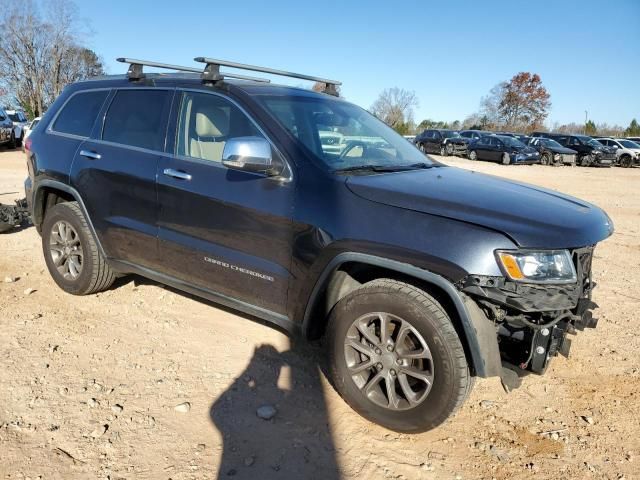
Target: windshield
589, 141
341, 135
15, 117
547, 142
512, 142
629, 144
450, 134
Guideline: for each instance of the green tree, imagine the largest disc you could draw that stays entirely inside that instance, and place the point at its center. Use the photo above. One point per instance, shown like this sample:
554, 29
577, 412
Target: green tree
633, 130
590, 128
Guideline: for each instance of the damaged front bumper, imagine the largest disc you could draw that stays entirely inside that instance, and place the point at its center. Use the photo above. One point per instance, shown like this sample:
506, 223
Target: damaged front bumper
532, 321
12, 216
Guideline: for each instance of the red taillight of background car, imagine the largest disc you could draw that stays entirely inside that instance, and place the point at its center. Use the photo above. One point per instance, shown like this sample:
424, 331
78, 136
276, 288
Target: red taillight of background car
27, 145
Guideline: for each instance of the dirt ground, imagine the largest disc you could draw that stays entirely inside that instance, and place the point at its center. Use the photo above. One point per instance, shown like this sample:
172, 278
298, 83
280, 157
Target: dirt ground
145, 382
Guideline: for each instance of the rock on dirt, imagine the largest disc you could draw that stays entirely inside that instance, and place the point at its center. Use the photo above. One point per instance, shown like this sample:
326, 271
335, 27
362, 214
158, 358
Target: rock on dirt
266, 412
183, 407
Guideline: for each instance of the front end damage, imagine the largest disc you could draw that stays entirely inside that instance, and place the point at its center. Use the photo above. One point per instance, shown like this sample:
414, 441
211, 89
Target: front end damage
532, 321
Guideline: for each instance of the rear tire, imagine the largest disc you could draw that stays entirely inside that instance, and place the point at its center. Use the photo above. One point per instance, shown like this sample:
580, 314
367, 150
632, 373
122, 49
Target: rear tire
19, 141
443, 151
506, 158
71, 253
395, 398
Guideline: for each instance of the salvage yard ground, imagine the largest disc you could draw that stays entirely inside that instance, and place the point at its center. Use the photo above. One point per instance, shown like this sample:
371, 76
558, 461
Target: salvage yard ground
145, 382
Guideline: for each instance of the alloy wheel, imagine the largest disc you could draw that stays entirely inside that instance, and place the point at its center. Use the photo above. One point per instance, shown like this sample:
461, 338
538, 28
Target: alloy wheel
389, 361
66, 250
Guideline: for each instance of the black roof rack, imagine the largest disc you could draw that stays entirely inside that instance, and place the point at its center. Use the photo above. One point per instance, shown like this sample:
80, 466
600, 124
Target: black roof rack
212, 73
135, 70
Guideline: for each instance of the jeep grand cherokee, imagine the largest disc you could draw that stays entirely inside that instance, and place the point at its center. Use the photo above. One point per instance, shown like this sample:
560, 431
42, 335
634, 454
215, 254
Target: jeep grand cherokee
419, 276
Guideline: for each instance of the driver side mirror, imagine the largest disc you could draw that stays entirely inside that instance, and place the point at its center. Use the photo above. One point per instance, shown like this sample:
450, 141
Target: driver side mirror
248, 154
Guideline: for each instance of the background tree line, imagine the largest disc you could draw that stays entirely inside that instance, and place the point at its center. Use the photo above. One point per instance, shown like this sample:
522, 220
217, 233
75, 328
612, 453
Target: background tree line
41, 51
521, 104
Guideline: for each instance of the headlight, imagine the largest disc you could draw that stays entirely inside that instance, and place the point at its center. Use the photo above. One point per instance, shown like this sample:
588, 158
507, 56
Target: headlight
544, 266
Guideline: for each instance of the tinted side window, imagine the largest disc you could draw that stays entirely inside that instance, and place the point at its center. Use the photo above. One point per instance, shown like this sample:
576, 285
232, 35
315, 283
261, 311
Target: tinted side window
206, 122
79, 113
137, 118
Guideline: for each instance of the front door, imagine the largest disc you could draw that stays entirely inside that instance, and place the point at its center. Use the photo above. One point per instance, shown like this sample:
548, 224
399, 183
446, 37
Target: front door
115, 173
223, 230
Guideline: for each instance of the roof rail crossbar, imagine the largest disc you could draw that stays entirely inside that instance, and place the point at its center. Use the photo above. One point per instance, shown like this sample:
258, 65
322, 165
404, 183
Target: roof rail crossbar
135, 70
212, 73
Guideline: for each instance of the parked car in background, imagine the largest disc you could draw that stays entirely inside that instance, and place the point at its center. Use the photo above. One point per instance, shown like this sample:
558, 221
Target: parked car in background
633, 139
410, 138
20, 121
6, 130
627, 151
591, 153
441, 141
518, 136
474, 134
30, 126
551, 152
503, 149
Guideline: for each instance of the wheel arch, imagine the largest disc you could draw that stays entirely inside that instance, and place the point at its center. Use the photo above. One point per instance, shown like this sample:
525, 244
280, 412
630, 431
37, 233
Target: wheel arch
51, 192
349, 270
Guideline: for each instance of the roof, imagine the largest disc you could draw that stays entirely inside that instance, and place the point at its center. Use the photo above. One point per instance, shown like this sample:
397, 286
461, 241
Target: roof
193, 80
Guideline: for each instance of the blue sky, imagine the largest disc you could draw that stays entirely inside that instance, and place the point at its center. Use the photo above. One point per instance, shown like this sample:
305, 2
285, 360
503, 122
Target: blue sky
450, 53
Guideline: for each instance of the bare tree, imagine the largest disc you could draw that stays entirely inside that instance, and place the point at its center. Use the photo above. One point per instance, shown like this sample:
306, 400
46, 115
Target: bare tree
395, 107
40, 53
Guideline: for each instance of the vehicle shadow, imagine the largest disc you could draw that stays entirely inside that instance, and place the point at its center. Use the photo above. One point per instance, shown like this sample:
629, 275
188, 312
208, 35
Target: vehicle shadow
297, 441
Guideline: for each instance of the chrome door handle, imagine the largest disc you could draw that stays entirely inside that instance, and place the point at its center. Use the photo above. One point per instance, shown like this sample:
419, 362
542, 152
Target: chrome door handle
90, 154
170, 172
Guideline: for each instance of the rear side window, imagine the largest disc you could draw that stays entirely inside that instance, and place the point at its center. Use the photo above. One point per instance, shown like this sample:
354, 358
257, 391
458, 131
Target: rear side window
137, 118
79, 113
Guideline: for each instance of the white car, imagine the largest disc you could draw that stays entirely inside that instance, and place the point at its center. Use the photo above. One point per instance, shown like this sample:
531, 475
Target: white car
30, 126
627, 151
20, 121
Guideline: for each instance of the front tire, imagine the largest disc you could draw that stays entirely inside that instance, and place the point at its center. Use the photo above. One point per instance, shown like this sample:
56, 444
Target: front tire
473, 155
395, 357
625, 161
545, 160
71, 253
506, 158
449, 149
443, 151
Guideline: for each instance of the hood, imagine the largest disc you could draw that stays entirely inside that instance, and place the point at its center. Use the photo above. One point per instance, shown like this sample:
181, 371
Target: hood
564, 150
531, 216
525, 149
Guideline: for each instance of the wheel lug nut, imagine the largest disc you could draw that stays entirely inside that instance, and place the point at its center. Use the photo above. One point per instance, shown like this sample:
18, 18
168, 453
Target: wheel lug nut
393, 373
399, 361
379, 366
378, 351
390, 348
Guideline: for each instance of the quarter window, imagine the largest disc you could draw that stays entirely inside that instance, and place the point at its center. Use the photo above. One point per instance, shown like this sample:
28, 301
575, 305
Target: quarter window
79, 113
137, 118
206, 122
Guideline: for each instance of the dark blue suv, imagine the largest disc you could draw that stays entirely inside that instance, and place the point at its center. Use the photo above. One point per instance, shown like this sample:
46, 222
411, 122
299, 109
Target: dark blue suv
302, 209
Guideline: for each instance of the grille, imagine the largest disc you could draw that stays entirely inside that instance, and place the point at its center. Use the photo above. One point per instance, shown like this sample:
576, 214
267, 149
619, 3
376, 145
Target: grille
568, 159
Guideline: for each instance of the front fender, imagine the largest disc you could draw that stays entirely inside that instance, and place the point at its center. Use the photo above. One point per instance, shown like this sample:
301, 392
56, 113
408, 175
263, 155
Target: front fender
478, 331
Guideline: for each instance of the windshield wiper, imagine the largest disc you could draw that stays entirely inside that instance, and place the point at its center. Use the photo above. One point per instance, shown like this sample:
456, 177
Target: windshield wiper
385, 168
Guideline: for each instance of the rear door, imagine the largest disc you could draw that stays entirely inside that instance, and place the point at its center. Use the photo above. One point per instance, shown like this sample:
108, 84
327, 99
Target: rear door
435, 142
482, 148
223, 230
115, 173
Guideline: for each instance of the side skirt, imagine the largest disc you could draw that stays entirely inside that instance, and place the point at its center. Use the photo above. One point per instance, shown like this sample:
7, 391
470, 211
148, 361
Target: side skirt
267, 315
